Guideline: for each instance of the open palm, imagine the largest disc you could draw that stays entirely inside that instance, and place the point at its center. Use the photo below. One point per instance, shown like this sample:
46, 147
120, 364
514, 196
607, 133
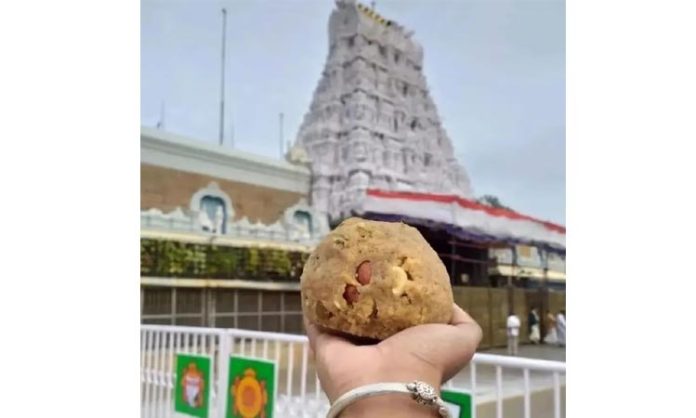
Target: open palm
432, 353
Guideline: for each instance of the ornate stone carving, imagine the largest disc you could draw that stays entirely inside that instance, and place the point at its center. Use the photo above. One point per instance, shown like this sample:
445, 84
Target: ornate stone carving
300, 223
212, 209
384, 129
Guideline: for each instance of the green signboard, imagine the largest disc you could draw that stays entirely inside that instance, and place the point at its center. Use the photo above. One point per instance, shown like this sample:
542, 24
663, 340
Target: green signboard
459, 403
251, 388
192, 385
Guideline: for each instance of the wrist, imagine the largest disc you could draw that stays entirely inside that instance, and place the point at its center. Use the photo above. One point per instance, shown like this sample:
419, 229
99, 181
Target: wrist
392, 405
406, 374
388, 406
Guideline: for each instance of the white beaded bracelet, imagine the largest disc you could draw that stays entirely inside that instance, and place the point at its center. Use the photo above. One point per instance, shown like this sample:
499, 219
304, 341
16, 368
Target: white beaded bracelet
421, 392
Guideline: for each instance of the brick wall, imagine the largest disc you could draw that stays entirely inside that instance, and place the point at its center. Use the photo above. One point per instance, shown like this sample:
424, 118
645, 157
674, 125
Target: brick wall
167, 189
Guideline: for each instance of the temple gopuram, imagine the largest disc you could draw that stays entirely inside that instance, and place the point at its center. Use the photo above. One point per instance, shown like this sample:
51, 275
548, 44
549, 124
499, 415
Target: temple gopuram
224, 234
377, 149
372, 122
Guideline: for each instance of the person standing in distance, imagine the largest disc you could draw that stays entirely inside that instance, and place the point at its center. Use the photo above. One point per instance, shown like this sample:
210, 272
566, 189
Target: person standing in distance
561, 328
551, 336
533, 320
513, 332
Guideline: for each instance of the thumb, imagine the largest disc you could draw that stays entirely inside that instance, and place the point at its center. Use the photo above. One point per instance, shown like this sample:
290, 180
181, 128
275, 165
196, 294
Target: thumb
320, 341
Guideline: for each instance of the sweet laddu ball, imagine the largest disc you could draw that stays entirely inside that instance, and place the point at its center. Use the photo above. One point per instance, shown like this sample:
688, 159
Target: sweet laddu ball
373, 279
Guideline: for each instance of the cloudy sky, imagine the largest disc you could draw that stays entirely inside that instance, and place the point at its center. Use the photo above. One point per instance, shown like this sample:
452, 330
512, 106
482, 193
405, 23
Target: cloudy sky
496, 70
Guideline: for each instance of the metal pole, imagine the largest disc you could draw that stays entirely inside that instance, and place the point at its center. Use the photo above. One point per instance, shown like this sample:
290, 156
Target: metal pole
543, 296
545, 265
545, 261
510, 286
280, 122
514, 266
160, 124
222, 76
453, 280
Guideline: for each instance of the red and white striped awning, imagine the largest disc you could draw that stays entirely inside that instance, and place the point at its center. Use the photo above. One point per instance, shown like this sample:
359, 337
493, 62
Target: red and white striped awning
464, 214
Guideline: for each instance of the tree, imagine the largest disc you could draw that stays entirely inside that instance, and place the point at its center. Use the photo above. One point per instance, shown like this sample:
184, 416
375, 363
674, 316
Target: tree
492, 201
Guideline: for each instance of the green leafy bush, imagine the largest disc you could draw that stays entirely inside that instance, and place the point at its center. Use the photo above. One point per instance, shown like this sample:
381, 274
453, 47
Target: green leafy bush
162, 258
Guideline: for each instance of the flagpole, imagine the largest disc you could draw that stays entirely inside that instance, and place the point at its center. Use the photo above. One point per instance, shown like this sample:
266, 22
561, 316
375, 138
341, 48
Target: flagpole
280, 127
160, 124
222, 77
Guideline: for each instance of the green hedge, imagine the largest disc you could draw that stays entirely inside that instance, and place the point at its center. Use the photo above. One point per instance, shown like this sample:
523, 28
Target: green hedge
160, 258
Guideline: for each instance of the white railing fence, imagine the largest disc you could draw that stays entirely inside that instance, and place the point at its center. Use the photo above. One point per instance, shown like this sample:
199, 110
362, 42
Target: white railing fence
503, 386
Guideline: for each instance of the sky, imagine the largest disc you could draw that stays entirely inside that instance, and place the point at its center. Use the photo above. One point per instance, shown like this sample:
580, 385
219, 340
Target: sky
495, 69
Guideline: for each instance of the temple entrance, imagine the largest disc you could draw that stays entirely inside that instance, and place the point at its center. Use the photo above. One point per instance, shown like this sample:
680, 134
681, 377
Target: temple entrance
466, 261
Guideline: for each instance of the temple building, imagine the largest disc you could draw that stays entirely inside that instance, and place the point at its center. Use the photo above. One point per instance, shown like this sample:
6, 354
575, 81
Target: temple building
377, 149
188, 186
225, 233
372, 122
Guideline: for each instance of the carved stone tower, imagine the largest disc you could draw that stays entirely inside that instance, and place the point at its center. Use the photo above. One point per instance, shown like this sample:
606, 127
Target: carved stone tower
372, 122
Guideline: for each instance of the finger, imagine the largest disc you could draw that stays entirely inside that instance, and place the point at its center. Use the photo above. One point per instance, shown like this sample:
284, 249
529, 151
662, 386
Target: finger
459, 316
466, 323
312, 333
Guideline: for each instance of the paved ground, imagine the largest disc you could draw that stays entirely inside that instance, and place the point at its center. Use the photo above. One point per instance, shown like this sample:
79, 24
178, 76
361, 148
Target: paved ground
541, 351
542, 394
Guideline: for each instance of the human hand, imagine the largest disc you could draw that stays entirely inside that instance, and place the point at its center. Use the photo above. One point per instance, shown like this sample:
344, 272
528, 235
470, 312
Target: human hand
432, 353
